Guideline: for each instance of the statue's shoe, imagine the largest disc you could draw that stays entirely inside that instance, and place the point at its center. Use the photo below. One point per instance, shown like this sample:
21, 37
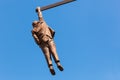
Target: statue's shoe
52, 71
60, 67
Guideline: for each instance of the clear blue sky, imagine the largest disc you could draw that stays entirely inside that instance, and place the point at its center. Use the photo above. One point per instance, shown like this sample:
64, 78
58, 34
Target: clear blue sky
87, 39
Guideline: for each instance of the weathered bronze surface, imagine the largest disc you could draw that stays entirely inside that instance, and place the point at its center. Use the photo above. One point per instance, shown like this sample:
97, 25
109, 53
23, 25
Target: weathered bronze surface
43, 36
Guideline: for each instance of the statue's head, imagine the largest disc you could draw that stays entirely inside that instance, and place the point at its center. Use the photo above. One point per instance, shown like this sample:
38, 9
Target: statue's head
35, 23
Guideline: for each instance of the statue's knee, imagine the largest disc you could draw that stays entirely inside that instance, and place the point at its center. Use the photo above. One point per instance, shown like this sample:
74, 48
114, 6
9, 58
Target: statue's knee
47, 54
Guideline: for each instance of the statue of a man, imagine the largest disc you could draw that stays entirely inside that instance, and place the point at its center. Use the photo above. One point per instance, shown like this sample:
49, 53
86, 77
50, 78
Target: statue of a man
43, 36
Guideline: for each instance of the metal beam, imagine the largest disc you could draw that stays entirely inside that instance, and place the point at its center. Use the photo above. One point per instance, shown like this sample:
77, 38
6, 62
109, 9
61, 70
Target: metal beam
56, 4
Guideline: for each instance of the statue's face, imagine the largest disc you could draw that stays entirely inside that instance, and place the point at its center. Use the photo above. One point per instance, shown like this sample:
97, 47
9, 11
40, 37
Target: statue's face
35, 23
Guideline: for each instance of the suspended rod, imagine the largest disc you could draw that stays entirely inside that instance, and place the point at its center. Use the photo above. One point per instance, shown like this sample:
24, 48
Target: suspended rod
56, 4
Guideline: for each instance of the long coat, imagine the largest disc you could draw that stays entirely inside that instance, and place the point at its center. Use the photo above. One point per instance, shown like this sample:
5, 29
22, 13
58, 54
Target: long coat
42, 29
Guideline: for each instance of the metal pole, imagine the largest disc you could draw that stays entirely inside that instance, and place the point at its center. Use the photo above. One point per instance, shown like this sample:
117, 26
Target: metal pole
56, 4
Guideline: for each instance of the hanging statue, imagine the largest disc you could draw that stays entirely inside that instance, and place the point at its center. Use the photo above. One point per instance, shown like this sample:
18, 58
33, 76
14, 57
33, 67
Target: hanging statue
43, 36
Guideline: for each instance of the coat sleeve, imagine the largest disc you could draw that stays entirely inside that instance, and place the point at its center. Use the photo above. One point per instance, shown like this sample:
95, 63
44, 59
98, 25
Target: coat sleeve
35, 38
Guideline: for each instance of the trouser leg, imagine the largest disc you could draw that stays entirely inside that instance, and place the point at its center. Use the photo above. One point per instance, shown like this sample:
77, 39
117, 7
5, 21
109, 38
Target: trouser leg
47, 55
55, 55
53, 51
48, 59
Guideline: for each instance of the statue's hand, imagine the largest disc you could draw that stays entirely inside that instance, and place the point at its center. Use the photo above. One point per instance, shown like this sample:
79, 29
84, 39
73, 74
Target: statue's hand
39, 12
38, 42
38, 9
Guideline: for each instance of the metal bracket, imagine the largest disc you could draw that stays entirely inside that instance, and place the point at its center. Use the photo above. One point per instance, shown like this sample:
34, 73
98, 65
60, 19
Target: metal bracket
56, 4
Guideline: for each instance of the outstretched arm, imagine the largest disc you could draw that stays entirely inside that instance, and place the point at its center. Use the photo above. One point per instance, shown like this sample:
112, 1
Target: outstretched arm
39, 13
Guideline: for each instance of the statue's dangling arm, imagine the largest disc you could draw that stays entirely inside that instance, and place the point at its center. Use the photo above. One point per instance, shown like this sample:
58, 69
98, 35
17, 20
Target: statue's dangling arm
35, 37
